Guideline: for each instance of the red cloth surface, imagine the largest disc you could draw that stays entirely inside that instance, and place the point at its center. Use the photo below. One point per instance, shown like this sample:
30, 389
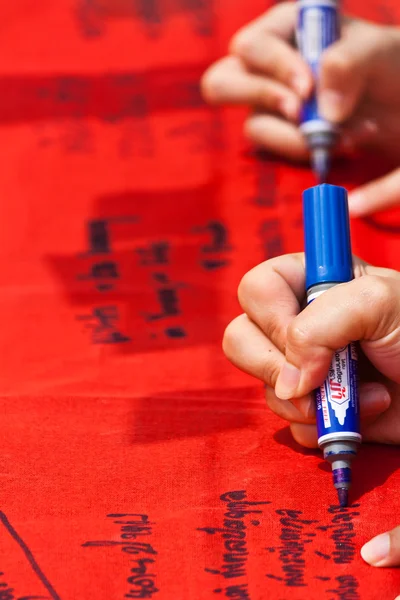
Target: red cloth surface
135, 461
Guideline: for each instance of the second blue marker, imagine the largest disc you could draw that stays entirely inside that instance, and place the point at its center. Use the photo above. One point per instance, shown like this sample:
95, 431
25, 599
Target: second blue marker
318, 28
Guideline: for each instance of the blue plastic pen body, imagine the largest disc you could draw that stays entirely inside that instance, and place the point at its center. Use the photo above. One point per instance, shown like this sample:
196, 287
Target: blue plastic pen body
318, 28
329, 263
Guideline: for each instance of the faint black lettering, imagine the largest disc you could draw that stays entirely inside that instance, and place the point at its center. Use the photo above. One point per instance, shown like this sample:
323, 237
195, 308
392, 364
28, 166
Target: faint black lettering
104, 325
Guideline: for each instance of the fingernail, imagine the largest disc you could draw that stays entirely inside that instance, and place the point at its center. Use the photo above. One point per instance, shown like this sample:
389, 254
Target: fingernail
356, 204
301, 85
377, 550
287, 382
330, 104
290, 107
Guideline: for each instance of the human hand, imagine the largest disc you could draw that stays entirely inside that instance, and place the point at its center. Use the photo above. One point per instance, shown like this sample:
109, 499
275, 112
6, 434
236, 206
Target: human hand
291, 352
359, 89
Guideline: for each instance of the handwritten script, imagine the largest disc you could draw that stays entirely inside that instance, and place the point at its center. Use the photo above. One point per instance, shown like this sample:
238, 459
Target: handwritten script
141, 579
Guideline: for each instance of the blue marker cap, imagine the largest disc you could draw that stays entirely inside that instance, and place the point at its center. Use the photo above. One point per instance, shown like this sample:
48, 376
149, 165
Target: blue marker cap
327, 235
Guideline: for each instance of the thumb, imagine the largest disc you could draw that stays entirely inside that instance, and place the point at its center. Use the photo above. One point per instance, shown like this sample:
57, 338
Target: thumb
383, 550
365, 309
377, 195
345, 68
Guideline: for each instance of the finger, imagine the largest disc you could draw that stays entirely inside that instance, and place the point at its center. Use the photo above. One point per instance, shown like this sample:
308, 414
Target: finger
305, 435
270, 294
365, 309
264, 46
277, 136
228, 82
374, 400
384, 428
280, 20
358, 133
345, 70
247, 348
383, 550
380, 194
298, 410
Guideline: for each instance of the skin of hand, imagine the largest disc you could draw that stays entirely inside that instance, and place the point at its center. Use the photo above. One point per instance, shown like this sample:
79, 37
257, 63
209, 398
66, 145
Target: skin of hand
290, 350
358, 89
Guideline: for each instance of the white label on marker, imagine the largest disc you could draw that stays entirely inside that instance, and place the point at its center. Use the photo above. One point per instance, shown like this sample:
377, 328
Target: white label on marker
324, 406
339, 388
312, 40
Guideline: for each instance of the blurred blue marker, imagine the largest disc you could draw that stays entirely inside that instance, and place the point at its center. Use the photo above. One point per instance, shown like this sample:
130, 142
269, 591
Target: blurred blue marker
318, 28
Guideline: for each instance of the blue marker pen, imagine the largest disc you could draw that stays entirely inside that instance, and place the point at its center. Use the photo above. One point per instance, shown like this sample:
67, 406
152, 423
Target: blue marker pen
328, 263
318, 28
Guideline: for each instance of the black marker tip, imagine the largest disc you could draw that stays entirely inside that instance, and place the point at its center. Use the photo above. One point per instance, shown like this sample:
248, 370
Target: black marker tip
343, 497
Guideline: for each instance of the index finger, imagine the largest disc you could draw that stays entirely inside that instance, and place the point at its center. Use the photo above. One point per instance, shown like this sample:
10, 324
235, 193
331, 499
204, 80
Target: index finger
265, 47
280, 20
271, 295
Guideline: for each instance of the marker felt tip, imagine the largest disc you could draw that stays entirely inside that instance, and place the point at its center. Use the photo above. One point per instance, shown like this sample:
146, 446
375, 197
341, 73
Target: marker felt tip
328, 263
318, 28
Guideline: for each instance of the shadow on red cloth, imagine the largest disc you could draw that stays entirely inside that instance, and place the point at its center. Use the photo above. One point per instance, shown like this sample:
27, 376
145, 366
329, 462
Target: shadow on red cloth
197, 413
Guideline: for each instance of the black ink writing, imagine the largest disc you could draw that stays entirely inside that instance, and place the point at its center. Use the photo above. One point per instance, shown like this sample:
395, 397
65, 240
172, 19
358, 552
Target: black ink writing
98, 236
103, 322
343, 534
240, 592
292, 550
265, 180
156, 254
8, 592
214, 251
167, 297
271, 238
347, 588
234, 535
322, 555
132, 526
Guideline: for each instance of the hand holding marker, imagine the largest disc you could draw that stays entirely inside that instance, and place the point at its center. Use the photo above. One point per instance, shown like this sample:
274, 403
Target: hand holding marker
364, 64
328, 253
328, 263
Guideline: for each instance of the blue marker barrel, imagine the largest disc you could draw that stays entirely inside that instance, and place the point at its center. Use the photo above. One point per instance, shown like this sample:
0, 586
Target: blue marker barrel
318, 28
329, 263
337, 401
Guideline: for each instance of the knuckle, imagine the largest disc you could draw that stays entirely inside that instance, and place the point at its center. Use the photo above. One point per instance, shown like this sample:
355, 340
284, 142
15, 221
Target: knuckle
283, 10
272, 327
377, 291
270, 374
242, 44
336, 62
298, 336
